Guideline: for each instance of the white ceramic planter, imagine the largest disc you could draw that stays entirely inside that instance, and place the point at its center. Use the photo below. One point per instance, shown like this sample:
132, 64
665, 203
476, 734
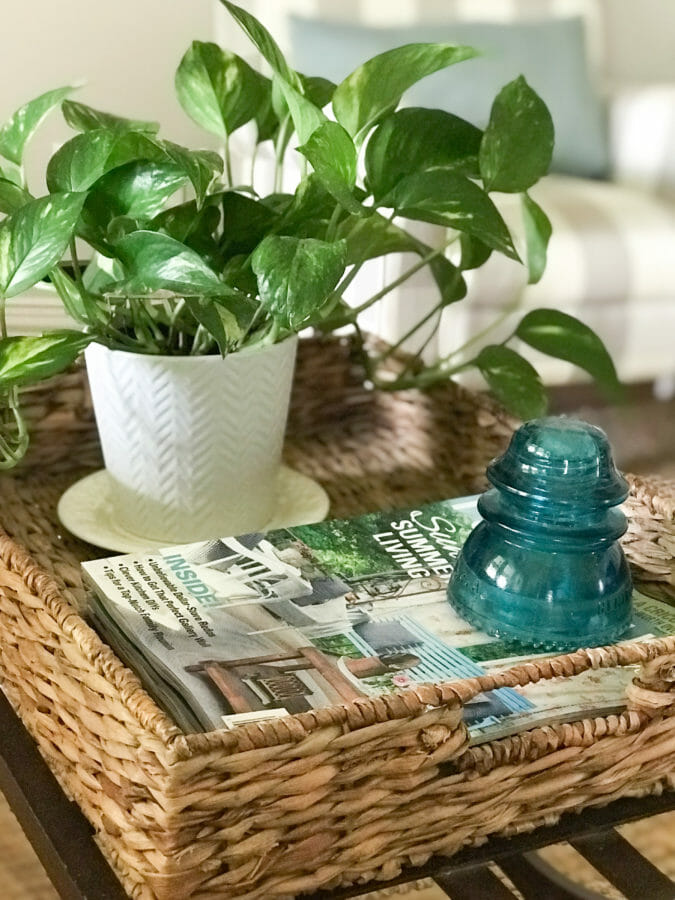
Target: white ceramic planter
192, 445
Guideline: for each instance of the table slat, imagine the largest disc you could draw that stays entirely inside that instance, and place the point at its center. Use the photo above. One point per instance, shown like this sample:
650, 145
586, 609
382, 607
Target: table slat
536, 880
474, 884
625, 867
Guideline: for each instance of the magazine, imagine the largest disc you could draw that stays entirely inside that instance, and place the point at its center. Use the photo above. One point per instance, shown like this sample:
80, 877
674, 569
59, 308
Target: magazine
240, 629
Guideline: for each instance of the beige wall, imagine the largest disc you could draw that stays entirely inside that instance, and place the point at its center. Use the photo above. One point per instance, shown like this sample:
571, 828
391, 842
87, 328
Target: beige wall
640, 40
126, 51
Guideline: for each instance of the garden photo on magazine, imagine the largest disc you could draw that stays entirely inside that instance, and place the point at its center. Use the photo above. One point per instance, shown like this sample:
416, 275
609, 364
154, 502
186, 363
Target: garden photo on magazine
261, 625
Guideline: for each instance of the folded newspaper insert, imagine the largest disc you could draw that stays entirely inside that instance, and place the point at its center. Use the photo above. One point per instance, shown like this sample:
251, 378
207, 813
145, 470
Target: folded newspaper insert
241, 629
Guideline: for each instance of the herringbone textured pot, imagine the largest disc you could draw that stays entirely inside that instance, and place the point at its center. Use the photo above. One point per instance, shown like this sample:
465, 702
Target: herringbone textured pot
192, 444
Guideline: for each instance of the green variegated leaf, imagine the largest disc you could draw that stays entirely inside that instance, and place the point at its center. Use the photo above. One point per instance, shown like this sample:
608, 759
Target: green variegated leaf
474, 252
34, 238
413, 140
263, 40
88, 157
368, 238
78, 303
27, 360
226, 317
15, 133
307, 212
138, 189
217, 89
537, 235
266, 120
82, 160
200, 166
12, 196
376, 87
238, 273
195, 227
306, 116
155, 261
318, 91
564, 337
449, 279
513, 380
13, 174
332, 154
518, 142
85, 118
101, 274
245, 223
296, 276
443, 197
120, 226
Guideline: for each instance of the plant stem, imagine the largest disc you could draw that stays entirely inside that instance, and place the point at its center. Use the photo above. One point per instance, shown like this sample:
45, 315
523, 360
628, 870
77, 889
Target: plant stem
425, 343
254, 156
13, 433
279, 149
267, 336
6, 451
429, 376
331, 228
196, 340
347, 280
139, 324
399, 343
201, 342
354, 271
152, 328
363, 354
21, 429
228, 163
437, 310
10, 455
442, 370
77, 272
174, 312
252, 324
273, 332
420, 264
476, 338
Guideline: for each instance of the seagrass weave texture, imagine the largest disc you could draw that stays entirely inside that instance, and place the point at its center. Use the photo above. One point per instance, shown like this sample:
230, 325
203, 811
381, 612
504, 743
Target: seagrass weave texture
650, 540
330, 796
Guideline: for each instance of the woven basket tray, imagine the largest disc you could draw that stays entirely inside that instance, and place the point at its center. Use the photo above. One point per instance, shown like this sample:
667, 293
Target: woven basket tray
331, 796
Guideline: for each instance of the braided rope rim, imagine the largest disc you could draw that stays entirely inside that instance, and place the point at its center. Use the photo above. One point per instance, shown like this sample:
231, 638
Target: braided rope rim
356, 715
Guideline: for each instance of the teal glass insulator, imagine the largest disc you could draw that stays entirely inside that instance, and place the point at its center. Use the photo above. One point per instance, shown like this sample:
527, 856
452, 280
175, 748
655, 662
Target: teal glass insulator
545, 565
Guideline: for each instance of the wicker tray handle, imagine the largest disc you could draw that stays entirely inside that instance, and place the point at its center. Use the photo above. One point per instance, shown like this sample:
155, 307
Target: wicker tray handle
649, 695
652, 692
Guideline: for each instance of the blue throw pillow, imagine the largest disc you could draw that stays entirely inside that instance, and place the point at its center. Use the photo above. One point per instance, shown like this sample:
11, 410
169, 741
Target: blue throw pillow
550, 54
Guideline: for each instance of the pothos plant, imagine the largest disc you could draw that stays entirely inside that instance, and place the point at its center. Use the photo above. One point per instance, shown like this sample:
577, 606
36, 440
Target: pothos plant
232, 266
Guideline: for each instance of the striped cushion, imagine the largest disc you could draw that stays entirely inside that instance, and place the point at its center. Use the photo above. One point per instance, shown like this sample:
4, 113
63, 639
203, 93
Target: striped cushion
610, 263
